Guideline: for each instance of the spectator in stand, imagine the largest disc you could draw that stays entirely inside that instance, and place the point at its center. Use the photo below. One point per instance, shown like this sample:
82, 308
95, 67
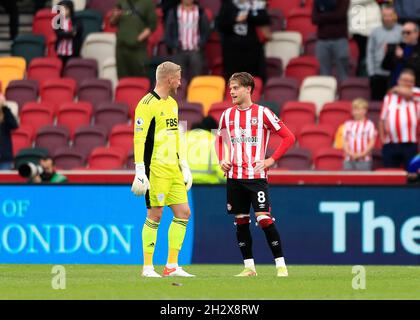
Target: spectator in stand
186, 33
408, 10
363, 17
136, 20
242, 49
332, 46
398, 124
49, 173
405, 55
389, 32
7, 124
359, 137
10, 6
69, 33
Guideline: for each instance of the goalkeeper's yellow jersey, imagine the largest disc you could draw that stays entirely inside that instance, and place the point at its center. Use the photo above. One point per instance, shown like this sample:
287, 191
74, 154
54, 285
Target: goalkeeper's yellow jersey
157, 140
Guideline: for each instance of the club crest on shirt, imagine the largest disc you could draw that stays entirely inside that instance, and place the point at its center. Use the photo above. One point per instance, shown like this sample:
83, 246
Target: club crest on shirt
139, 122
254, 121
276, 119
160, 197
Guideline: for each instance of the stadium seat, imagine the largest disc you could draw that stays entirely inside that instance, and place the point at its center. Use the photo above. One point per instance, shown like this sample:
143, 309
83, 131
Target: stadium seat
104, 158
216, 66
68, 158
300, 20
216, 109
22, 91
121, 135
274, 67
91, 21
79, 5
103, 6
11, 68
108, 27
29, 46
80, 69
58, 91
318, 89
213, 49
335, 113
296, 159
354, 50
328, 158
353, 88
310, 45
109, 113
44, 68
95, 91
29, 155
284, 45
52, 138
298, 114
284, 6
206, 90
41, 24
256, 95
191, 113
302, 67
86, 138
51, 50
314, 137
22, 137
281, 90
99, 46
109, 71
74, 114
277, 19
213, 5
37, 115
130, 90
374, 111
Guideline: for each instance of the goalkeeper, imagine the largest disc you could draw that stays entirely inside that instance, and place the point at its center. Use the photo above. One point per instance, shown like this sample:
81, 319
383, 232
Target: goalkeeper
162, 172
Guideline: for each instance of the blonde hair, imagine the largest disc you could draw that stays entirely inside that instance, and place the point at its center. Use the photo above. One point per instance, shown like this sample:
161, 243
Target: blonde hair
166, 69
360, 103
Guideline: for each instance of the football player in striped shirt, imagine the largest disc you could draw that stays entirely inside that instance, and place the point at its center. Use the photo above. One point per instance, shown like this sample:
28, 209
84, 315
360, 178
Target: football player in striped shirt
246, 128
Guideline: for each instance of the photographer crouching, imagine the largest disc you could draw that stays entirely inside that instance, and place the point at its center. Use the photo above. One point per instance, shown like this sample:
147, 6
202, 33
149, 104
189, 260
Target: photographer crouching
44, 172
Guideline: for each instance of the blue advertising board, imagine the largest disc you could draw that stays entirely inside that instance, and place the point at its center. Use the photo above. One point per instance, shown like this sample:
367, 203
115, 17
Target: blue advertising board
79, 224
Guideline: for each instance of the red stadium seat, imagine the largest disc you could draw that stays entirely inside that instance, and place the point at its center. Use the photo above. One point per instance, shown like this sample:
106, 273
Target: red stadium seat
52, 138
296, 113
284, 6
58, 91
109, 114
95, 91
51, 52
335, 113
74, 114
314, 137
309, 45
213, 49
296, 159
86, 138
68, 158
22, 91
216, 109
107, 158
80, 69
281, 90
277, 19
302, 67
42, 23
122, 136
191, 113
41, 69
130, 90
103, 6
108, 27
212, 5
353, 88
216, 67
37, 115
328, 159
22, 138
274, 67
300, 20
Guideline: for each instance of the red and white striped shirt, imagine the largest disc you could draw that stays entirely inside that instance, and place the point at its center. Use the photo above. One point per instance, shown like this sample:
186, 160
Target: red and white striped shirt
65, 46
246, 133
188, 27
401, 119
416, 94
358, 135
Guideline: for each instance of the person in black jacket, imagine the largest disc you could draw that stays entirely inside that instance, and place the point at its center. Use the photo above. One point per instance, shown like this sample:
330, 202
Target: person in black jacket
186, 33
69, 33
242, 49
405, 55
7, 124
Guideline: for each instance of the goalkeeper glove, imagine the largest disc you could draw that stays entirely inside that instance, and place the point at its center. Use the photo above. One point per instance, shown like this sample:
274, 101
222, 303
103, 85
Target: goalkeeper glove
186, 172
141, 183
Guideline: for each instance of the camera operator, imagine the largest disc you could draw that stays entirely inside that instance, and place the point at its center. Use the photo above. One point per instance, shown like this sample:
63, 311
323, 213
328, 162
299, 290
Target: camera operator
7, 124
45, 172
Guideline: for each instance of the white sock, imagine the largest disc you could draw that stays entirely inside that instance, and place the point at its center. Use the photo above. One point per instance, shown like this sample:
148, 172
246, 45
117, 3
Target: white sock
172, 265
249, 263
148, 267
280, 262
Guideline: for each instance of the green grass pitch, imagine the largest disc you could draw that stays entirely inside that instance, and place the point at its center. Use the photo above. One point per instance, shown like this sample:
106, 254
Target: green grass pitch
213, 282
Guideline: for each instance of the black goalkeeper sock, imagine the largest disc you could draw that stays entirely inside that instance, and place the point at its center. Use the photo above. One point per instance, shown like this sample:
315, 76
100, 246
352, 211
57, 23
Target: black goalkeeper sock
243, 234
273, 240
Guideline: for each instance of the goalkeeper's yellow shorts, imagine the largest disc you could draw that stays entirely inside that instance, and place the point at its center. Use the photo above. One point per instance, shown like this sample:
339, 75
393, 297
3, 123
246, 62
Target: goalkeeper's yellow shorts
166, 191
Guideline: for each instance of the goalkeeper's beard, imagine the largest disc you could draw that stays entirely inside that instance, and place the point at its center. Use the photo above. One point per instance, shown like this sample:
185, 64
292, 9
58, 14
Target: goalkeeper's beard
173, 92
